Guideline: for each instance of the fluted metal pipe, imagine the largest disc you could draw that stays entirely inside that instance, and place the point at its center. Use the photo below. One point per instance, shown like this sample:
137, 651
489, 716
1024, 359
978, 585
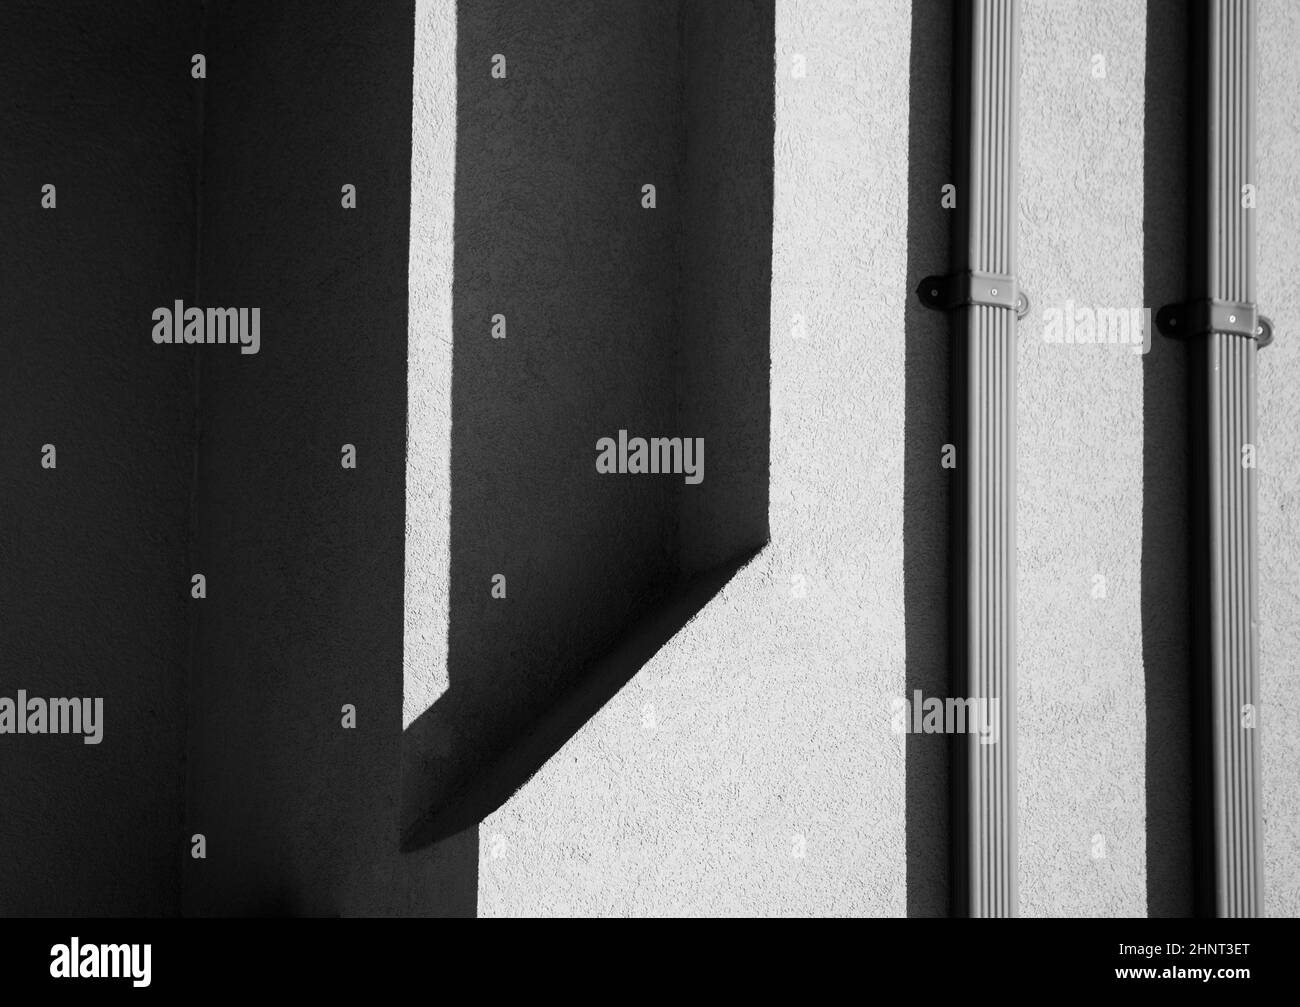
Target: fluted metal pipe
985, 301
1224, 331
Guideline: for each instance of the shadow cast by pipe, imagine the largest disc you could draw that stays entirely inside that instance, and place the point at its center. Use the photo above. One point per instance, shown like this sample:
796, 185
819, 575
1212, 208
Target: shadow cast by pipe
1166, 612
926, 486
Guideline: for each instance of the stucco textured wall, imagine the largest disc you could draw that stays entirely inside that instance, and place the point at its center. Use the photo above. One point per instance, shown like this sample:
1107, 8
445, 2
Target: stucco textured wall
550, 233
621, 314
750, 766
1279, 452
1080, 465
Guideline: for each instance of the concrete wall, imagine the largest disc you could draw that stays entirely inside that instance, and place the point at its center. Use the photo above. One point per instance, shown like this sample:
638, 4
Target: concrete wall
762, 729
93, 553
303, 556
550, 233
619, 316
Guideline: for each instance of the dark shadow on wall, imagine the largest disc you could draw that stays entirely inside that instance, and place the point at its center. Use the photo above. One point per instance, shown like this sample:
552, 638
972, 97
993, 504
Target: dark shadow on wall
91, 577
303, 557
620, 318
1166, 609
617, 317
926, 486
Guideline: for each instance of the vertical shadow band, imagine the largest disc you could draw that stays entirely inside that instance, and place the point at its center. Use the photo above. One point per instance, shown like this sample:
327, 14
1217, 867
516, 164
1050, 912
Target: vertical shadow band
926, 490
1166, 529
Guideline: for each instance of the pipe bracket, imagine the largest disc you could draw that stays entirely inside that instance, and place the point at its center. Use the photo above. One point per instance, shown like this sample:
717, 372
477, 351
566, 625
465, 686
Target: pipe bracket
946, 293
1198, 318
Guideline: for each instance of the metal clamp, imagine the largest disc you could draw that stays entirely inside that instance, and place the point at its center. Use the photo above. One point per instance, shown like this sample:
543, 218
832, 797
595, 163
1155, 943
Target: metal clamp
944, 293
1198, 318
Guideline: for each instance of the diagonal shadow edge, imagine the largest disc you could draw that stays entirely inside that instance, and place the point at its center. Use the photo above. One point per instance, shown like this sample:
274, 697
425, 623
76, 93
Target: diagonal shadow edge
692, 312
488, 790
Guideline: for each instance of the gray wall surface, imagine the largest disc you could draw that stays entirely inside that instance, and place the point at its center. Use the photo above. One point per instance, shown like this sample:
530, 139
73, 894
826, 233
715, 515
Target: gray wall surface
304, 557
761, 732
549, 231
93, 554
1279, 447
619, 317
